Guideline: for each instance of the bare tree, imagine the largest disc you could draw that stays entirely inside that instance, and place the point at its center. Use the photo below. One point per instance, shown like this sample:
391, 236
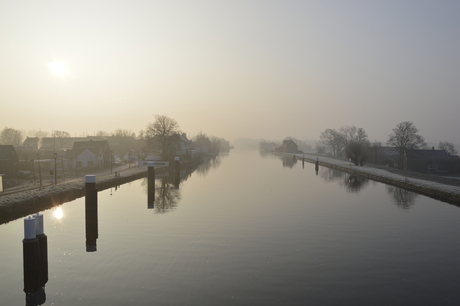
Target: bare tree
332, 139
404, 137
11, 136
352, 134
123, 133
102, 133
320, 149
202, 142
163, 136
60, 137
448, 147
41, 134
356, 144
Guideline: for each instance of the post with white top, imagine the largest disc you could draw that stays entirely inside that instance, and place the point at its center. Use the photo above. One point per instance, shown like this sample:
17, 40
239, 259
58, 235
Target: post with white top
91, 218
176, 172
31, 257
151, 185
43, 247
317, 165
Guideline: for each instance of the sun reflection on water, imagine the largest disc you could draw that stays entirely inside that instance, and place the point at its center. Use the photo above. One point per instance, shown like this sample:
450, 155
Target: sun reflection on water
58, 213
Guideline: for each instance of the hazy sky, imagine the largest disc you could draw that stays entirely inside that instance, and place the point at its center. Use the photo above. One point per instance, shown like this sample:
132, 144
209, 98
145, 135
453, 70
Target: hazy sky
256, 69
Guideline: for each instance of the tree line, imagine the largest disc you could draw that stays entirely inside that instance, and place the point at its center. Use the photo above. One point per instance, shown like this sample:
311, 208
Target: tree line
162, 136
354, 142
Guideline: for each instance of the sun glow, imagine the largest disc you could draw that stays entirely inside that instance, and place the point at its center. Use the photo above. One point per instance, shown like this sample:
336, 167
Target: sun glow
59, 68
58, 213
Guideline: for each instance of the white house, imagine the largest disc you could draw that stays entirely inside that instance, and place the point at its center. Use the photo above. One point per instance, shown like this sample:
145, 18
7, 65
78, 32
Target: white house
90, 154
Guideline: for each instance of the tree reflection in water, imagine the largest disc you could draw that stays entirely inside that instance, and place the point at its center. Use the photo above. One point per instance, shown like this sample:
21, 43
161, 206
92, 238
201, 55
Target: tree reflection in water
167, 192
352, 183
166, 195
211, 163
402, 198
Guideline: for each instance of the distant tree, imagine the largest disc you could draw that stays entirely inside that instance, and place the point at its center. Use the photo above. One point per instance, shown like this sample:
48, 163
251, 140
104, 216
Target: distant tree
356, 144
448, 147
123, 133
404, 137
163, 136
320, 149
102, 133
352, 134
60, 134
202, 142
11, 136
141, 135
215, 145
357, 152
332, 139
60, 137
41, 134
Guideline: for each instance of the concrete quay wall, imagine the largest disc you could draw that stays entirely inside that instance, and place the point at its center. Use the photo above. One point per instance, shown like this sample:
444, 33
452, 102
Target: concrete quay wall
442, 192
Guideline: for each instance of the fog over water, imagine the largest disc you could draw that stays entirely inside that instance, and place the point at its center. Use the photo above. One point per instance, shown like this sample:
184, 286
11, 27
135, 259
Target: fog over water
256, 69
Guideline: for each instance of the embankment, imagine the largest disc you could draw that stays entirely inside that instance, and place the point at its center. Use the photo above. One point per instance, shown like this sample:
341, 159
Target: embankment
28, 202
442, 192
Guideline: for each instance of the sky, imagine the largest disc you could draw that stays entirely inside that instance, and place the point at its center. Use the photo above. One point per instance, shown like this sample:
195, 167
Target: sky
249, 69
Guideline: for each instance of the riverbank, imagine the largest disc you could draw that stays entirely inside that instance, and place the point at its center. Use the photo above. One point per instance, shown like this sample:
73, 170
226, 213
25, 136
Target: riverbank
417, 182
31, 201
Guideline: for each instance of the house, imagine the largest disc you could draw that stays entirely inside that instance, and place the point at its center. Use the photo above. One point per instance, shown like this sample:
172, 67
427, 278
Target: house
185, 146
9, 161
288, 146
90, 154
60, 143
428, 161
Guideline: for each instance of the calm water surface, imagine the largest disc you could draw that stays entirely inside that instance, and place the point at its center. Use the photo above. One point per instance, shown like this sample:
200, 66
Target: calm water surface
248, 230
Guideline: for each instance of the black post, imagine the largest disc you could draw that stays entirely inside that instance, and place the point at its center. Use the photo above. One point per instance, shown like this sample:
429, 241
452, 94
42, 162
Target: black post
317, 165
35, 260
43, 247
31, 257
91, 218
151, 185
176, 172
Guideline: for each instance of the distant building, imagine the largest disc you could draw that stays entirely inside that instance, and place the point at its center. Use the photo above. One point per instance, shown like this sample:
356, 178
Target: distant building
426, 161
185, 146
288, 146
90, 154
9, 161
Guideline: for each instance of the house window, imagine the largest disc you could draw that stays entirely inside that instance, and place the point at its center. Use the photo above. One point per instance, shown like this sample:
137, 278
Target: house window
79, 164
90, 163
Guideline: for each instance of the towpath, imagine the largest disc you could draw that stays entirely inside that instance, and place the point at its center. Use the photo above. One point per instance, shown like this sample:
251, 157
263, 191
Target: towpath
439, 187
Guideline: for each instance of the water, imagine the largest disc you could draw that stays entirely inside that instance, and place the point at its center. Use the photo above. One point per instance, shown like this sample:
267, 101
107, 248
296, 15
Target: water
248, 230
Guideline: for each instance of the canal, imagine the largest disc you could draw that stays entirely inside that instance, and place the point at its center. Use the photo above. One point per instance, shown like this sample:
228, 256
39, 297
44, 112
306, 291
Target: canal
246, 229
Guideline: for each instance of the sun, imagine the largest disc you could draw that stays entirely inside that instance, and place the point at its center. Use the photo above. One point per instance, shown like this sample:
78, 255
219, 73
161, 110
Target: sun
59, 68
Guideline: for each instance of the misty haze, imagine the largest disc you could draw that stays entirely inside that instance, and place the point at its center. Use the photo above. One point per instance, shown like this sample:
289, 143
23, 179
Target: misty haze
229, 153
